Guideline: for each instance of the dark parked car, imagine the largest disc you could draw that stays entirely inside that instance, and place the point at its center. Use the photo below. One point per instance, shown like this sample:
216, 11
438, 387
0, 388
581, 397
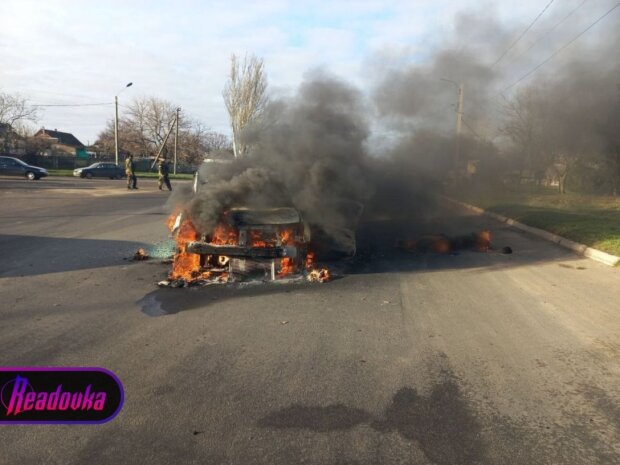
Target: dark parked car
10, 166
100, 170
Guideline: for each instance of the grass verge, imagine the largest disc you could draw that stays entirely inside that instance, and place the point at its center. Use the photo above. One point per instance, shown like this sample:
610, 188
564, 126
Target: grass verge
591, 220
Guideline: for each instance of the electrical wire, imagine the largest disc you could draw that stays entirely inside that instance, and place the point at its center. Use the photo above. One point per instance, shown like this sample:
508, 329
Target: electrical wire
522, 34
72, 104
554, 54
553, 28
471, 129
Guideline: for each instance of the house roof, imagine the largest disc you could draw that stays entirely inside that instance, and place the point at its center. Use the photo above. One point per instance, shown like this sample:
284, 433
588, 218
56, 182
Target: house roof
65, 138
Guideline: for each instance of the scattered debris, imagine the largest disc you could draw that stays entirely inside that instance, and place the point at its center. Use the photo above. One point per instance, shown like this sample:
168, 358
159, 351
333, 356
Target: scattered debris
319, 276
140, 255
440, 243
284, 322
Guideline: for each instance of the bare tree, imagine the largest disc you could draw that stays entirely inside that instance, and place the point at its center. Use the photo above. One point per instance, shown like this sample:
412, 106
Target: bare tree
14, 108
143, 127
14, 112
217, 142
245, 96
526, 126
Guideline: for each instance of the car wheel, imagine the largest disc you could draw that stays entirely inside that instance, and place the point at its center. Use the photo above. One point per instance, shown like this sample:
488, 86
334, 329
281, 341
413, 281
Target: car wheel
119, 176
30, 175
88, 175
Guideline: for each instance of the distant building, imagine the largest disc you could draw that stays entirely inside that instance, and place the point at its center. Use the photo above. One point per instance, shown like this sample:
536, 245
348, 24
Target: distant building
60, 141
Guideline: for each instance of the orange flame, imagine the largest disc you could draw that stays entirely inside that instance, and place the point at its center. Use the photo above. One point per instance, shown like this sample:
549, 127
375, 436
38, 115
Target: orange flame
189, 266
185, 265
319, 276
224, 235
287, 266
172, 219
286, 236
257, 240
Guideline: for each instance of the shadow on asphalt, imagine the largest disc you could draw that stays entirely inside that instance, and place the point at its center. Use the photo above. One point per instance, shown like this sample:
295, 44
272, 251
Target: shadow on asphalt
441, 422
55, 183
36, 255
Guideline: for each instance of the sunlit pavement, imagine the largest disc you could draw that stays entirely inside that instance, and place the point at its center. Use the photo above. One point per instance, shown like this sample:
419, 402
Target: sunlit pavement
430, 359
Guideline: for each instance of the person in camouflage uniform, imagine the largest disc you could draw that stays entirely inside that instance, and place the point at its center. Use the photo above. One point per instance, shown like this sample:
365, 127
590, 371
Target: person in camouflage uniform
164, 173
130, 171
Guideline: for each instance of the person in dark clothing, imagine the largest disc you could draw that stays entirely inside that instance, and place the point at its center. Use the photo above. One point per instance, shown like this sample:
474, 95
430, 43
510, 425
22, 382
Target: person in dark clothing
164, 175
130, 171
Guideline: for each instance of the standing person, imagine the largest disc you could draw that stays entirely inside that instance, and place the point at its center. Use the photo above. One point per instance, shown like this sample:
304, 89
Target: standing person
130, 171
164, 175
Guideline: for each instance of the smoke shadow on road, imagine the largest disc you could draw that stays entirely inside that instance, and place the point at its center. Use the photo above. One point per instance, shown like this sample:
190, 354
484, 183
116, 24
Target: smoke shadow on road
441, 422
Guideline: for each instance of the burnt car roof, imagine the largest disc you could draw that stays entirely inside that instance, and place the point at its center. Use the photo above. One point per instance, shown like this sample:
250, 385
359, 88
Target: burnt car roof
269, 216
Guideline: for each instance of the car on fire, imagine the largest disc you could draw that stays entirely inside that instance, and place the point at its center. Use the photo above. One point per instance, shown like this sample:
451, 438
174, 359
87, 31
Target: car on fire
272, 241
10, 166
325, 241
100, 170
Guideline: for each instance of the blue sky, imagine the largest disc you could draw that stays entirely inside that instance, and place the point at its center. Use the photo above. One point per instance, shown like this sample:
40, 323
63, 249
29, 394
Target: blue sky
66, 51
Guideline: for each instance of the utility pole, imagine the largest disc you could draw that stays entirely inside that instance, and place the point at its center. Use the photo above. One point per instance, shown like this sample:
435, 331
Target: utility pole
161, 148
116, 129
459, 121
176, 140
116, 122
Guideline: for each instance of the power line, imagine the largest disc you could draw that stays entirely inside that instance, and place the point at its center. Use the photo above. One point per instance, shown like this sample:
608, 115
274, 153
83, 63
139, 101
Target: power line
72, 104
522, 34
553, 55
553, 28
472, 130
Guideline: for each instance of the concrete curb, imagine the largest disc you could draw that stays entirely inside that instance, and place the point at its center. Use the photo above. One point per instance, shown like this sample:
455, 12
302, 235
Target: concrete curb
581, 249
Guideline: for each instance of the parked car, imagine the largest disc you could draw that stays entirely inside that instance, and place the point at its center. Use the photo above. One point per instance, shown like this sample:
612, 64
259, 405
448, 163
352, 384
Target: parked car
10, 166
100, 170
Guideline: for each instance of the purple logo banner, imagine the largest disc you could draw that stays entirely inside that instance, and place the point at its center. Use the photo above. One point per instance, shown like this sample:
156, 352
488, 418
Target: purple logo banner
59, 395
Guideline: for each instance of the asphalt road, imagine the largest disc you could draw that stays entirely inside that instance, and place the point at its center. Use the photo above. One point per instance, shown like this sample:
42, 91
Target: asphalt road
405, 359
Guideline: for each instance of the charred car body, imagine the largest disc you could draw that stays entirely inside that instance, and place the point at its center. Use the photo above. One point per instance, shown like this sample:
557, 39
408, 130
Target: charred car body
269, 243
266, 242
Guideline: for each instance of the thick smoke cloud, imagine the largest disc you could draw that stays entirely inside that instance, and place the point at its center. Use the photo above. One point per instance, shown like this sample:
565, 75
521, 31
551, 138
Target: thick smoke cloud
413, 96
311, 150
307, 152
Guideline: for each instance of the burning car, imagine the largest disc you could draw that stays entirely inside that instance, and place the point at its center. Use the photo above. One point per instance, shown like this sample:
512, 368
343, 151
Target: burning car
267, 243
247, 243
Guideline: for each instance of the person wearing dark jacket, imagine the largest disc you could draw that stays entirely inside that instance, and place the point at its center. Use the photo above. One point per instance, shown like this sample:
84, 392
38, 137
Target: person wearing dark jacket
164, 175
130, 171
